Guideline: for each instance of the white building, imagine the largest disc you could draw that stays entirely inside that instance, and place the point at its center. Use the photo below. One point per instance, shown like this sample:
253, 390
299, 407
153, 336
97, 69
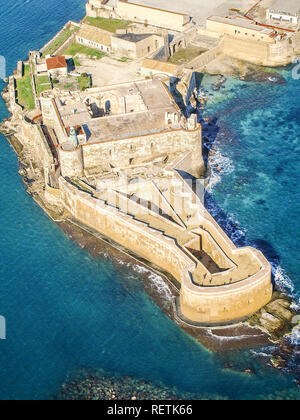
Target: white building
286, 11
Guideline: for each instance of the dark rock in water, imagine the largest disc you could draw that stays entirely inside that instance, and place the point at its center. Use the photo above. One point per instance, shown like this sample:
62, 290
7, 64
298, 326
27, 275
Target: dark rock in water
278, 362
276, 318
264, 77
99, 385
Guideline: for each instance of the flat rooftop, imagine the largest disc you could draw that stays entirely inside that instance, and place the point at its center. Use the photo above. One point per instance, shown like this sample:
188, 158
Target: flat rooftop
199, 9
286, 6
133, 37
134, 109
241, 22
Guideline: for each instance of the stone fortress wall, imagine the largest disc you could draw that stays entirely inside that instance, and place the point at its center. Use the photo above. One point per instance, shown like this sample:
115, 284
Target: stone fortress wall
240, 283
123, 229
259, 53
128, 152
157, 215
222, 297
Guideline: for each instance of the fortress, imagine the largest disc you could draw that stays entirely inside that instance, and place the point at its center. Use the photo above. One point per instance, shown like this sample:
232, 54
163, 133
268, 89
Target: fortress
123, 161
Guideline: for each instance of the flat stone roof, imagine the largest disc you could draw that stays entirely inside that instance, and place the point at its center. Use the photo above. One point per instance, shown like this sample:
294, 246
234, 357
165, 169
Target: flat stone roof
149, 6
133, 37
242, 23
286, 6
94, 34
141, 110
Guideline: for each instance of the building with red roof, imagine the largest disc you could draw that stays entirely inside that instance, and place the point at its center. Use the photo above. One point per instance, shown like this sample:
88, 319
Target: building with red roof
57, 65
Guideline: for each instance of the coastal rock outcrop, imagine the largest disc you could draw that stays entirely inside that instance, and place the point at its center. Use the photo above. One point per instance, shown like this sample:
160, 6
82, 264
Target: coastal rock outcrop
276, 318
262, 76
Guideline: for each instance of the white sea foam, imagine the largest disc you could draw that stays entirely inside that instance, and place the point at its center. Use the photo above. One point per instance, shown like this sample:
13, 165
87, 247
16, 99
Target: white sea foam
220, 165
282, 280
261, 354
140, 269
232, 338
156, 280
161, 286
295, 337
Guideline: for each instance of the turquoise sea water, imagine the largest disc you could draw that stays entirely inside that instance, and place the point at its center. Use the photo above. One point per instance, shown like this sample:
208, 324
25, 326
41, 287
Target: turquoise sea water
65, 309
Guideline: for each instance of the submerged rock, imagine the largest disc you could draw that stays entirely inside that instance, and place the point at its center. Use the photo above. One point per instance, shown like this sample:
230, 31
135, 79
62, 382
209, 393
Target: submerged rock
99, 385
264, 77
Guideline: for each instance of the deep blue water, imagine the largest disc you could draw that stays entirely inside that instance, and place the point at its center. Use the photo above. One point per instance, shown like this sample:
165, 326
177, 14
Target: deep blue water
66, 310
258, 148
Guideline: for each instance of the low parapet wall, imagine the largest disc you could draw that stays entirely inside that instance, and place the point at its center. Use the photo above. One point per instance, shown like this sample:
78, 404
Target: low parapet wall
216, 304
223, 304
134, 235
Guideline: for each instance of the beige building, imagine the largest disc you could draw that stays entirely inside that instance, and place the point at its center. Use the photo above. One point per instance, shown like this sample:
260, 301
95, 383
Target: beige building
98, 8
57, 66
136, 45
240, 28
247, 41
93, 37
284, 11
152, 16
125, 44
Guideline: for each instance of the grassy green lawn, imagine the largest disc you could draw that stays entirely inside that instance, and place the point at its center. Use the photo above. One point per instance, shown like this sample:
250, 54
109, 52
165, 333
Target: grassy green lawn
185, 55
81, 49
110, 25
25, 94
60, 40
84, 82
42, 83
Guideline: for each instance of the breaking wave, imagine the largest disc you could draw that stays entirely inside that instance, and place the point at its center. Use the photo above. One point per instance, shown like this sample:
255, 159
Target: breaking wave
220, 165
295, 337
232, 338
161, 286
156, 280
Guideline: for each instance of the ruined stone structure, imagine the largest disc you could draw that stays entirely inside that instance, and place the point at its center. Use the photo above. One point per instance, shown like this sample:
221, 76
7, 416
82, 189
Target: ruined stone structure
124, 154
